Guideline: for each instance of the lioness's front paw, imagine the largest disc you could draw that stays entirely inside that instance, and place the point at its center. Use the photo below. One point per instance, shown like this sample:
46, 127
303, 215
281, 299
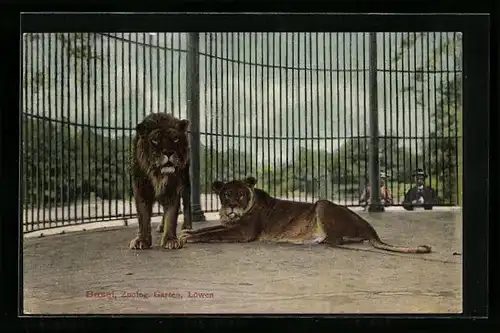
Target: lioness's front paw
172, 244
185, 235
139, 243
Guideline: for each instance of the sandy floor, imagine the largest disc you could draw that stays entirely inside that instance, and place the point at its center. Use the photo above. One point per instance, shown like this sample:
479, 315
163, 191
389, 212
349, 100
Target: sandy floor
95, 272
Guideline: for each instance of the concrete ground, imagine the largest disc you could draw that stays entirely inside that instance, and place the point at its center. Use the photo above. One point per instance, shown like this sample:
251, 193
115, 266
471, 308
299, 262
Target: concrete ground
95, 272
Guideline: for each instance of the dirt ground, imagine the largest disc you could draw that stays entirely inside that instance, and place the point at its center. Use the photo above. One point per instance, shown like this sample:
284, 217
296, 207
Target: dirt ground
95, 272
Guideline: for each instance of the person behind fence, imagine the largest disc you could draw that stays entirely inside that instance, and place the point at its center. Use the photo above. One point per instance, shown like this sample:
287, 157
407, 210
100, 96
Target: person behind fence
385, 193
420, 195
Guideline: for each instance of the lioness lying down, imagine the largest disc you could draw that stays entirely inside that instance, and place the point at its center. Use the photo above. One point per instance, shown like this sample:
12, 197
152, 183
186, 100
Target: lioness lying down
249, 214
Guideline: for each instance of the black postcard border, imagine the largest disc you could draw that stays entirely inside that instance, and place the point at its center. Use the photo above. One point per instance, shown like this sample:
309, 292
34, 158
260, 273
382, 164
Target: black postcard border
476, 154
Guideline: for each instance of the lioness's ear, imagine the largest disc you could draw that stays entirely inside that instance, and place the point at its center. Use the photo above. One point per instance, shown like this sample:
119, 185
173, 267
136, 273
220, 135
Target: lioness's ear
250, 181
217, 186
183, 125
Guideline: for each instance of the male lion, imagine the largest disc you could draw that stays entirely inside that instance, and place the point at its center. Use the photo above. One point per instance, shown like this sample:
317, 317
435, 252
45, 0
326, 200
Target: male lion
160, 172
249, 213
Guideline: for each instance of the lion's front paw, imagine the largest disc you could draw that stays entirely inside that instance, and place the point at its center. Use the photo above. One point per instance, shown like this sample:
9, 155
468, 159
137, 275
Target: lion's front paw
139, 243
172, 243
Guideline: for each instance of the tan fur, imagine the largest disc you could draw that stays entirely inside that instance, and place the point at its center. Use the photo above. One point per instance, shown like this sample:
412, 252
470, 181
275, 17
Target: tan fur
258, 216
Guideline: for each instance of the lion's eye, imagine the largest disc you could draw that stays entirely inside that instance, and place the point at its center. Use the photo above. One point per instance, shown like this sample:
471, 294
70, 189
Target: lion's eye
241, 196
154, 142
176, 139
228, 194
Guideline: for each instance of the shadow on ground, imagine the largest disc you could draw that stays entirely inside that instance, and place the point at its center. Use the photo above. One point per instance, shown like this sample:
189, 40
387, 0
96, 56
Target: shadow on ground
95, 272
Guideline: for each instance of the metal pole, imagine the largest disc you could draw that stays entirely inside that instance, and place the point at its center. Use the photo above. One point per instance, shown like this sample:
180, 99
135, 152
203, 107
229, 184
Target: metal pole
193, 109
375, 205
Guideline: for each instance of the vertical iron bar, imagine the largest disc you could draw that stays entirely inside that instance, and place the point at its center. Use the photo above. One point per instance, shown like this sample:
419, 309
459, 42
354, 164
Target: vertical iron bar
179, 65
358, 118
89, 107
394, 177
365, 107
212, 120
24, 129
408, 121
277, 139
397, 119
318, 131
75, 132
313, 138
150, 73
403, 103
83, 128
123, 152
193, 108
385, 140
252, 91
115, 148
130, 100
268, 114
351, 119
450, 156
225, 102
37, 120
44, 133
441, 137
234, 110
436, 163
205, 130
171, 71
158, 72
458, 142
52, 173
262, 66
325, 136
295, 180
339, 168
330, 120
244, 44
306, 168
56, 129
102, 171
287, 112
31, 122
375, 205
415, 101
217, 108
256, 107
346, 142
95, 184
238, 99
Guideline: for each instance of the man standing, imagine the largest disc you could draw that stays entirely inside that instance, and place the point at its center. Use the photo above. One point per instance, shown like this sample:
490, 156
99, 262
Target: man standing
420, 195
385, 193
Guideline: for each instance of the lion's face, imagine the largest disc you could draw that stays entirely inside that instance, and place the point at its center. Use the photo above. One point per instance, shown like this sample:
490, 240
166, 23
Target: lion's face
164, 143
236, 198
167, 150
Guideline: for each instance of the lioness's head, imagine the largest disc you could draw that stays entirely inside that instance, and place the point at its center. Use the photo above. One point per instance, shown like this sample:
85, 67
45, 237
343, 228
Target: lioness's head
236, 198
163, 143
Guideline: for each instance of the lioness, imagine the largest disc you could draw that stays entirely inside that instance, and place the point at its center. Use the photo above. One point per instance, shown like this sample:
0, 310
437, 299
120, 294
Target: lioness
160, 172
249, 213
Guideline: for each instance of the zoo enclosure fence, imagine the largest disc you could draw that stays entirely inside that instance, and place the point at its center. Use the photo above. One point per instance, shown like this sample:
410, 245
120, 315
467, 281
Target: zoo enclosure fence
298, 111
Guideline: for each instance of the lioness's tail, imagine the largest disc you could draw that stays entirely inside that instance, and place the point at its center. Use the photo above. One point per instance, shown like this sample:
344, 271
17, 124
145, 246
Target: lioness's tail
377, 243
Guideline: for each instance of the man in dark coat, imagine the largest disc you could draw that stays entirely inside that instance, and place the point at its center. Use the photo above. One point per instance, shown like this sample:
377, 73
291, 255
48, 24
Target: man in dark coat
420, 195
